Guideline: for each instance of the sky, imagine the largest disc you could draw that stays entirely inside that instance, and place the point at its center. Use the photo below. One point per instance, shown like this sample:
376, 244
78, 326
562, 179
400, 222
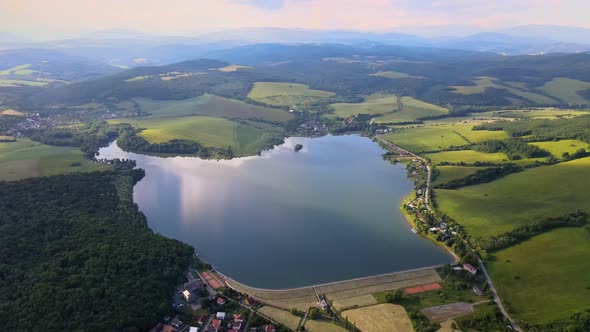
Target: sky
43, 19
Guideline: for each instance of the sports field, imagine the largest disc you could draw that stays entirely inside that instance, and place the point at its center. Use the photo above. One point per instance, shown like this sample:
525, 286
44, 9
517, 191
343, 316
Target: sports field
207, 131
545, 278
566, 89
25, 158
286, 94
437, 137
384, 317
496, 207
211, 105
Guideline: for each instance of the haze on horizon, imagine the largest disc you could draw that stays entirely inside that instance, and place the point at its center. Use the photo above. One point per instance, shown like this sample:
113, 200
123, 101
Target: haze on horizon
41, 19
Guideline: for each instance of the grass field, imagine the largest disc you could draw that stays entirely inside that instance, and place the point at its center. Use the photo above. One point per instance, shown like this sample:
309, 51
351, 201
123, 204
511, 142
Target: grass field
387, 107
566, 89
380, 318
286, 94
467, 156
539, 113
434, 138
211, 105
232, 68
448, 173
552, 273
496, 207
25, 158
207, 131
481, 84
558, 148
284, 317
392, 74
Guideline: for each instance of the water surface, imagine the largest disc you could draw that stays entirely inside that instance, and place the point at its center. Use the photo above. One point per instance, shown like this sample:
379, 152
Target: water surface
285, 219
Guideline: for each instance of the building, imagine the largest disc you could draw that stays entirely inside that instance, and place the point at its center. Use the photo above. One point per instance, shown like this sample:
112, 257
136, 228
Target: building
216, 324
469, 268
188, 296
220, 301
193, 329
269, 328
238, 318
220, 315
477, 291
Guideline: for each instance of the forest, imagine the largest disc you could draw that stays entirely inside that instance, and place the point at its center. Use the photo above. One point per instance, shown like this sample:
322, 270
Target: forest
76, 254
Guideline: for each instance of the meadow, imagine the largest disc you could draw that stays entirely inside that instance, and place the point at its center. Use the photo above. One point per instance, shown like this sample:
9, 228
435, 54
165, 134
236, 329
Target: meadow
558, 148
448, 173
207, 131
545, 278
437, 137
535, 113
496, 207
211, 105
384, 317
412, 110
25, 158
286, 94
481, 84
392, 74
566, 89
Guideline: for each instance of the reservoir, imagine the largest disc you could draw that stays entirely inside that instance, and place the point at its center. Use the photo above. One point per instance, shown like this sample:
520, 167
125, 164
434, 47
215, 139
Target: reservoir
328, 212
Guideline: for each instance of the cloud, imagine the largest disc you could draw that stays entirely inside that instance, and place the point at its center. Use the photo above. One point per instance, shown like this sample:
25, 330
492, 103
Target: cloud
263, 4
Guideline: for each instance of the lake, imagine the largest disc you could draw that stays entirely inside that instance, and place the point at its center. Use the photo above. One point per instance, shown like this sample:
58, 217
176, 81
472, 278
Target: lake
326, 213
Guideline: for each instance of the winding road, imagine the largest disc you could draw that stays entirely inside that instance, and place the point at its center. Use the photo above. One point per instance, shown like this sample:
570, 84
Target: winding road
404, 152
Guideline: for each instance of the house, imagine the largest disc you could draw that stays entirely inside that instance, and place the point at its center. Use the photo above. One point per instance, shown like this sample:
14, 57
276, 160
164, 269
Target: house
236, 326
200, 320
193, 285
220, 301
239, 318
457, 268
269, 328
176, 322
193, 329
477, 291
188, 296
216, 324
469, 268
220, 315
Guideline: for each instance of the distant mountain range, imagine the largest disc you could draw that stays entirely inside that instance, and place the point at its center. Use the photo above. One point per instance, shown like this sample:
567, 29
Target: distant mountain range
131, 48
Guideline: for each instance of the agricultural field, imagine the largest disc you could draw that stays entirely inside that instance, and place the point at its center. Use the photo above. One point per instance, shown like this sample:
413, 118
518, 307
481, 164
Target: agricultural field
25, 158
545, 278
322, 326
558, 148
392, 74
468, 157
7, 83
11, 112
437, 137
448, 173
566, 89
412, 110
211, 105
535, 113
207, 131
232, 68
284, 317
496, 207
380, 318
373, 104
286, 94
352, 302
481, 84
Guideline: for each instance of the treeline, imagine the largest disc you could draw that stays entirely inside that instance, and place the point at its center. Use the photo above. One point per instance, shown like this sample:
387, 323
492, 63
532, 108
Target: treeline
481, 176
514, 148
76, 255
88, 137
544, 129
519, 234
130, 141
578, 322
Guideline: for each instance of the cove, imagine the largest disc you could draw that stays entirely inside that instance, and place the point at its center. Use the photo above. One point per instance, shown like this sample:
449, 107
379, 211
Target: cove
328, 212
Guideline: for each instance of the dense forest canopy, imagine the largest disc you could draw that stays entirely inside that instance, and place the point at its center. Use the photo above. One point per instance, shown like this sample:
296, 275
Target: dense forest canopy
75, 253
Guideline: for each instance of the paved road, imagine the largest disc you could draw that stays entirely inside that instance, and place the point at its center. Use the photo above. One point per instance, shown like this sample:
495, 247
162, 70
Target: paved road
480, 262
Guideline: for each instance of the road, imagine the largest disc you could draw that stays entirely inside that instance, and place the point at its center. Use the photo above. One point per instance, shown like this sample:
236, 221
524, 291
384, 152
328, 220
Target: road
404, 152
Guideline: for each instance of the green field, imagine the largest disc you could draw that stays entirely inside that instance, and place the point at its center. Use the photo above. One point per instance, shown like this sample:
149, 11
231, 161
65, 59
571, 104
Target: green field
448, 173
392, 74
286, 94
207, 131
493, 208
552, 273
387, 107
437, 137
25, 158
211, 105
566, 89
558, 148
537, 113
481, 84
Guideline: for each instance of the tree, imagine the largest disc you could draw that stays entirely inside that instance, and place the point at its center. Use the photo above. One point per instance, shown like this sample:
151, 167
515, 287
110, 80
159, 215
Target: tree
393, 296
